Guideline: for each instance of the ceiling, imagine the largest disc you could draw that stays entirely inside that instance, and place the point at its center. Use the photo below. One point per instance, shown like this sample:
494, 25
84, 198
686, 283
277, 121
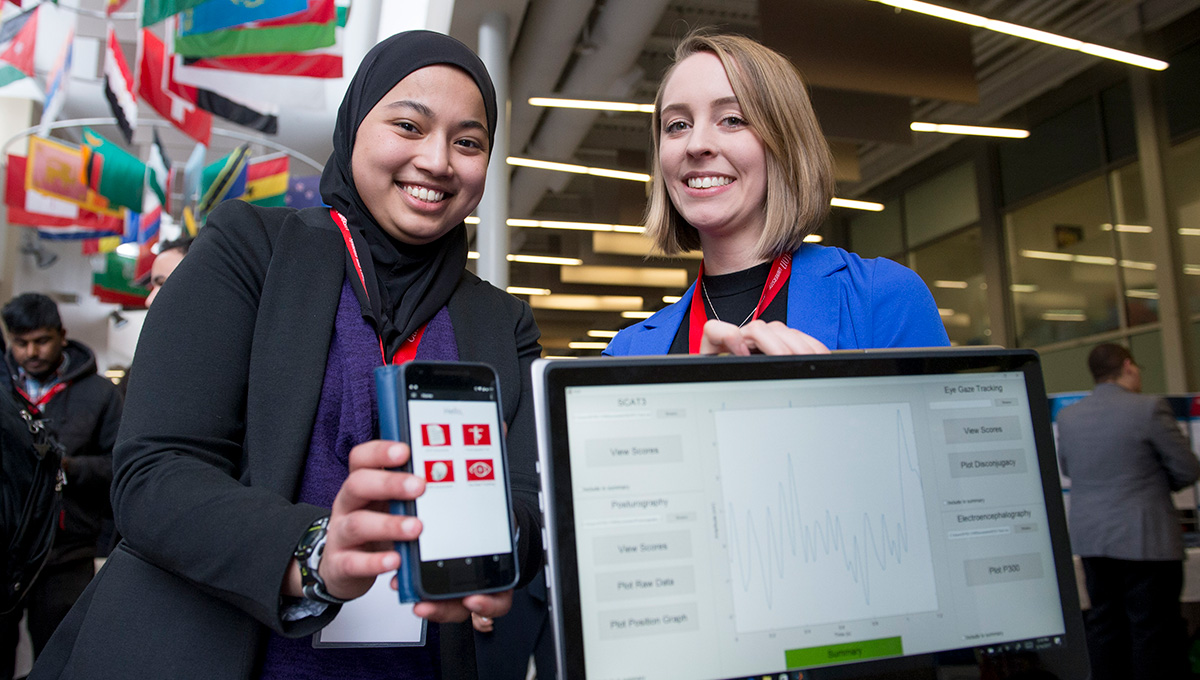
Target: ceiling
618, 49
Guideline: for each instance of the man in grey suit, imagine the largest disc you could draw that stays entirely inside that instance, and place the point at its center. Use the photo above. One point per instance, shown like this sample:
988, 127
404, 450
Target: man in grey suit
1125, 454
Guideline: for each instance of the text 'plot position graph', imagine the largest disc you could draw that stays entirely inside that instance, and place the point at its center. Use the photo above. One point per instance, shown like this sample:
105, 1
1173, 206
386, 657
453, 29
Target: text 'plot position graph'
825, 515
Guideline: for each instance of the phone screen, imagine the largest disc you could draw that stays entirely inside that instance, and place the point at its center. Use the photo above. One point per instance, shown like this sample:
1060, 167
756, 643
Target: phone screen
456, 441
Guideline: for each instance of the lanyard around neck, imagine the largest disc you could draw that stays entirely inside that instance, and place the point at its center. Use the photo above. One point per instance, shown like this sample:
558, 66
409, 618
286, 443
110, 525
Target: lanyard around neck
780, 271
37, 405
408, 348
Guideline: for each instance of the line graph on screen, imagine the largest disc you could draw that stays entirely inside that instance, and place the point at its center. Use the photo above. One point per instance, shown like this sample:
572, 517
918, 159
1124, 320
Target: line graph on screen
825, 515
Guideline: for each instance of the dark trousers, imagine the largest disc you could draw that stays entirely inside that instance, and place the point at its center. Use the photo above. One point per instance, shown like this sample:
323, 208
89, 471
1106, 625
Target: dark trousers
51, 597
1135, 628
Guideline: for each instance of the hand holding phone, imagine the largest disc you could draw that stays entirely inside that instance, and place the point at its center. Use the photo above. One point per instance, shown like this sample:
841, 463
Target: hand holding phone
449, 414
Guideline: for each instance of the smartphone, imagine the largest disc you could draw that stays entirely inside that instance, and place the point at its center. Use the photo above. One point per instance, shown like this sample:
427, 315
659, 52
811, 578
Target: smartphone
449, 415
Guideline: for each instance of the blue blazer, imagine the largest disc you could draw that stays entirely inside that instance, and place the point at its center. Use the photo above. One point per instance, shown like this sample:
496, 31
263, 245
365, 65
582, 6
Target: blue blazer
837, 297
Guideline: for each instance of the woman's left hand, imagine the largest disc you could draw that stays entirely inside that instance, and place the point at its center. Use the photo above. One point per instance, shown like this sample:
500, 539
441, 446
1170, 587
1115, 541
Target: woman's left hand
774, 338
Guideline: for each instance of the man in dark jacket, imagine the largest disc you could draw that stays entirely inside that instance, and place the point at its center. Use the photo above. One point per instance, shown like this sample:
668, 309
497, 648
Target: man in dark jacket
56, 380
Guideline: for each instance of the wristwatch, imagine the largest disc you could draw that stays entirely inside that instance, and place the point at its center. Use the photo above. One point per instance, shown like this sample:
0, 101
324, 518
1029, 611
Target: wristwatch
308, 556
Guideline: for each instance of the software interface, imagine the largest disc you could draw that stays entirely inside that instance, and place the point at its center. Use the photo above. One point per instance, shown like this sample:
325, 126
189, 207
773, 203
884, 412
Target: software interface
727, 529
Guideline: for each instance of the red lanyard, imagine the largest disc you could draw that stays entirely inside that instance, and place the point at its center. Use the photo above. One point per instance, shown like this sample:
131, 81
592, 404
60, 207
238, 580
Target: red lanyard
780, 270
37, 405
408, 349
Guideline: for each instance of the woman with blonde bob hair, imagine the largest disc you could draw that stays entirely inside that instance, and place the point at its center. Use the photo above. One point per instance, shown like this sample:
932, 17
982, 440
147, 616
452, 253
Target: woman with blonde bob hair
743, 173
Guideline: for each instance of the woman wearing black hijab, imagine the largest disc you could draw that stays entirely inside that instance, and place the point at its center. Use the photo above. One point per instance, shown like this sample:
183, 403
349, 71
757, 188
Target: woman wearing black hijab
250, 414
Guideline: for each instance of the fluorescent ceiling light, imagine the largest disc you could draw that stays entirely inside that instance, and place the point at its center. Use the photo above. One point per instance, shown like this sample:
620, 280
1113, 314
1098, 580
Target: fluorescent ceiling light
602, 334
128, 250
1188, 231
587, 345
1064, 315
633, 244
950, 284
1134, 264
1024, 288
534, 259
1096, 259
1189, 269
647, 315
578, 169
587, 303
590, 104
626, 276
1088, 259
1047, 255
521, 290
556, 224
814, 238
558, 356
1026, 33
975, 130
671, 299
943, 311
856, 205
1142, 293
1127, 228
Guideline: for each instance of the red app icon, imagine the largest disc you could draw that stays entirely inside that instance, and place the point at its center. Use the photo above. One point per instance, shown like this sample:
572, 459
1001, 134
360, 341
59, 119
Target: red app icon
480, 471
433, 434
477, 435
439, 471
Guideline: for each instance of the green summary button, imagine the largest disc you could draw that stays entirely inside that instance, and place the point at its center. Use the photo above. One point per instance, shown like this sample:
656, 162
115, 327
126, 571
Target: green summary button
850, 651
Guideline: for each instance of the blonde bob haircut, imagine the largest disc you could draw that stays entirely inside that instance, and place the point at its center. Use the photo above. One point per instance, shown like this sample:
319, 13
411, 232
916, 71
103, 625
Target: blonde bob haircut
775, 104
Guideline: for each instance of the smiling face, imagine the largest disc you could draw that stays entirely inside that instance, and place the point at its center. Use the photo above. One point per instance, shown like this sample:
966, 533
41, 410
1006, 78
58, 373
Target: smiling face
712, 162
420, 155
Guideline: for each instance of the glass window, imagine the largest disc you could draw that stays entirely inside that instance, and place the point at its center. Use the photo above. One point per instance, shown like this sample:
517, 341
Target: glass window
1183, 194
1066, 370
1057, 150
1147, 351
940, 205
1119, 131
877, 234
953, 269
1180, 91
1135, 246
1063, 266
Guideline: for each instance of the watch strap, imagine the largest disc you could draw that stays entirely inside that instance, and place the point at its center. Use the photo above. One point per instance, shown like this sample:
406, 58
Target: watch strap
308, 555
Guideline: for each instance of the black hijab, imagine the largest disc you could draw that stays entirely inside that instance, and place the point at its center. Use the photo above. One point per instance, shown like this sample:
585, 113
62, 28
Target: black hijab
405, 284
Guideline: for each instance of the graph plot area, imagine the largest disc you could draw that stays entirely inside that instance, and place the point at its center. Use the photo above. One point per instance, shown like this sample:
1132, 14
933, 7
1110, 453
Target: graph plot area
825, 515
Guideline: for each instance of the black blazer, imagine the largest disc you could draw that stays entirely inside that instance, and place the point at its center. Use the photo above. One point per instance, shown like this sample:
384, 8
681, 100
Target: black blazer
212, 450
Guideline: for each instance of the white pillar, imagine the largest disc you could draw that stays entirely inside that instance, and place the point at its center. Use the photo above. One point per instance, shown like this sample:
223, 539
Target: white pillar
492, 232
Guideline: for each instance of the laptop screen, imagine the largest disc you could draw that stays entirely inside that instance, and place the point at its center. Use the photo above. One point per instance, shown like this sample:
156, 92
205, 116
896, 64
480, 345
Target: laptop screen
729, 519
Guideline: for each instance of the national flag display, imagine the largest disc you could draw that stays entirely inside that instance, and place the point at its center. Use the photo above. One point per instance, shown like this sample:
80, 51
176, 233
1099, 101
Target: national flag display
112, 172
147, 236
480, 471
16, 61
155, 11
310, 29
118, 86
223, 180
56, 85
477, 435
56, 170
304, 192
113, 6
156, 86
438, 471
234, 112
215, 15
115, 283
267, 182
193, 175
435, 434
31, 208
158, 177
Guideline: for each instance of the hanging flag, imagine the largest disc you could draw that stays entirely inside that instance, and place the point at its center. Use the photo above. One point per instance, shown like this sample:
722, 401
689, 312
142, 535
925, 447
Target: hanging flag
304, 192
55, 169
154, 11
118, 86
100, 246
115, 283
193, 175
234, 112
220, 14
311, 29
147, 236
113, 6
189, 222
267, 182
56, 85
16, 62
74, 232
155, 86
31, 208
223, 180
324, 62
158, 168
281, 91
112, 172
